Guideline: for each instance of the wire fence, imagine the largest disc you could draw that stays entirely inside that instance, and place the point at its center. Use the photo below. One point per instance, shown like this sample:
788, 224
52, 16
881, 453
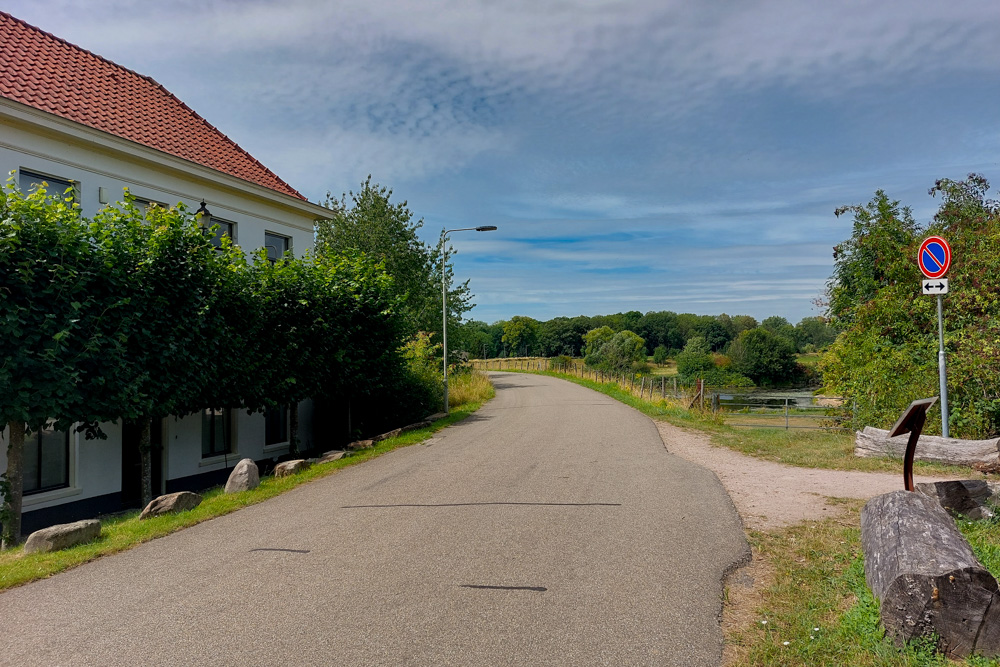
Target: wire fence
738, 406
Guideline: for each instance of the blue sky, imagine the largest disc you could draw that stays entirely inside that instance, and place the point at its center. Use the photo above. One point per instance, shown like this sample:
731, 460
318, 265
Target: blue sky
683, 156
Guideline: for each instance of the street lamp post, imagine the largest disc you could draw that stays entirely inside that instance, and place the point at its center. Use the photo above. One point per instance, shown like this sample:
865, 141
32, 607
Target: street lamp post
444, 299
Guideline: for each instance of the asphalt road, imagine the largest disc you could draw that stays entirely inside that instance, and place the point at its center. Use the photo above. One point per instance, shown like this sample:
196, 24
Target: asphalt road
550, 528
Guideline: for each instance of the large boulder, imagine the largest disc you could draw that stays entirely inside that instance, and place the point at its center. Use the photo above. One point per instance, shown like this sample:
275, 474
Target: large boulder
244, 477
171, 503
335, 455
63, 536
288, 468
361, 444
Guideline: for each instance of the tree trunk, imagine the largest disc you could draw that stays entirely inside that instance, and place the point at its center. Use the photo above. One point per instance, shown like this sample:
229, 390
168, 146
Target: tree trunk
926, 577
979, 453
145, 455
293, 427
15, 481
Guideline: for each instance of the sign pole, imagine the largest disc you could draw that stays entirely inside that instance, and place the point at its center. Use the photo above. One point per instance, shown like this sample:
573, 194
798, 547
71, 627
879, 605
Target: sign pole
942, 373
934, 259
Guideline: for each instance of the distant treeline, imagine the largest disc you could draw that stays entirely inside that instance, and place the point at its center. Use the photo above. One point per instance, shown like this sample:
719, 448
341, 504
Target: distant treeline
525, 336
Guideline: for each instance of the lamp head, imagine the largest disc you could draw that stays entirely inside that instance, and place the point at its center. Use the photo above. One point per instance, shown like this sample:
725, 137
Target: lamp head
486, 228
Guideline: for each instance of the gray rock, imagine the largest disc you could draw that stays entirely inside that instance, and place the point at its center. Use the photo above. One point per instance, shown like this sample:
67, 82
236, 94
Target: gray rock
414, 427
171, 503
290, 467
244, 477
331, 456
361, 444
385, 436
63, 536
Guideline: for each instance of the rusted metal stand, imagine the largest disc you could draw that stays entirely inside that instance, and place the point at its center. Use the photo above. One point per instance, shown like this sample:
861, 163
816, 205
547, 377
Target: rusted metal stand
912, 422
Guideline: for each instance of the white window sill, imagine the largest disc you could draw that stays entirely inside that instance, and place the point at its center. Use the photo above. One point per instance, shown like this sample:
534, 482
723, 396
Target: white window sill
221, 458
276, 447
55, 494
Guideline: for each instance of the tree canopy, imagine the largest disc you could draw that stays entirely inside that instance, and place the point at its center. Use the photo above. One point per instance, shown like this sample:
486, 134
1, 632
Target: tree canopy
887, 354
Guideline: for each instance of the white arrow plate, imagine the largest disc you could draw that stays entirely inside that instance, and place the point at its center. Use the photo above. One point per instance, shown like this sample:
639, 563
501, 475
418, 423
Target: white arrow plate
936, 286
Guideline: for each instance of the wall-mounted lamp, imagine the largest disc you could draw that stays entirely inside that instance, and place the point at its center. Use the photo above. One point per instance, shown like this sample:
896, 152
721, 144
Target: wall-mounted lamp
203, 212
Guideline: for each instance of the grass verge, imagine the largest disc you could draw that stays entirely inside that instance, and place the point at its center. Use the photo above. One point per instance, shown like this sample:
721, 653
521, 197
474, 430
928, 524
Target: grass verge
815, 608
125, 531
469, 387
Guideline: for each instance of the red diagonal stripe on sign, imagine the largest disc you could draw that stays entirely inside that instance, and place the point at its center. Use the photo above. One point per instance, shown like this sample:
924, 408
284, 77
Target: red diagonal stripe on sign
928, 252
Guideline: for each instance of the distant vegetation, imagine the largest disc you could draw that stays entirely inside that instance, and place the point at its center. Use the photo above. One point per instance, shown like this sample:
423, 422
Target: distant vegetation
724, 350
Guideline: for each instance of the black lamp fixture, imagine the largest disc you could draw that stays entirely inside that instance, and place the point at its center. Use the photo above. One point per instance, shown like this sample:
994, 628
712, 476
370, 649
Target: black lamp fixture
203, 212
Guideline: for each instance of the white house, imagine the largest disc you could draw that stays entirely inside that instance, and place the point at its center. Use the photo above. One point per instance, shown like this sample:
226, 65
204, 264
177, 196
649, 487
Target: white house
76, 120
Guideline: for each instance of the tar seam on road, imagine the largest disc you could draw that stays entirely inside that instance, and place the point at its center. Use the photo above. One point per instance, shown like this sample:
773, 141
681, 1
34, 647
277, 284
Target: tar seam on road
354, 507
538, 589
291, 551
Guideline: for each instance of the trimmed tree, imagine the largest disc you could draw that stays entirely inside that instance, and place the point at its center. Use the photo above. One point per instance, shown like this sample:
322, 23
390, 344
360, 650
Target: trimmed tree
53, 285
171, 276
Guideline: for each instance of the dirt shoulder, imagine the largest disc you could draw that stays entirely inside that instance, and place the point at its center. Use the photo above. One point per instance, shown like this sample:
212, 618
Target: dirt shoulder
769, 496
772, 495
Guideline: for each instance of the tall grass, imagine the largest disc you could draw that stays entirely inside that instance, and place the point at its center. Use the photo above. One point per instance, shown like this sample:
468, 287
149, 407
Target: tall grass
469, 387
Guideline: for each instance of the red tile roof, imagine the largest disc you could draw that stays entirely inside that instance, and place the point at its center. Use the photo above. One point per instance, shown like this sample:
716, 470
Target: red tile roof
40, 70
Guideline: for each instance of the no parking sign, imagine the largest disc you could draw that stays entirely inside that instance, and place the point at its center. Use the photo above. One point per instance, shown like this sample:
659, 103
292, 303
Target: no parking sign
934, 257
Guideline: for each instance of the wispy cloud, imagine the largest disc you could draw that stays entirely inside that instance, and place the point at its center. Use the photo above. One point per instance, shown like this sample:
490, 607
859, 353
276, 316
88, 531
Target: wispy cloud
636, 154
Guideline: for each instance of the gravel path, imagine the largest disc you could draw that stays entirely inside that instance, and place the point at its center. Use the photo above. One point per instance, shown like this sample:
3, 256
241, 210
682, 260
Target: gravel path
771, 495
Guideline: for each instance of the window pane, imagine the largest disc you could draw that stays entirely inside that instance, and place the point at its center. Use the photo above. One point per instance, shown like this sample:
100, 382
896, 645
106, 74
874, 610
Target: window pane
224, 229
276, 245
215, 431
55, 466
207, 419
56, 187
31, 481
276, 426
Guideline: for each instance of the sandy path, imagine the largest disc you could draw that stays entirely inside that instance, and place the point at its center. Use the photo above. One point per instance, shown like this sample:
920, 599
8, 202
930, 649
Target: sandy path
771, 495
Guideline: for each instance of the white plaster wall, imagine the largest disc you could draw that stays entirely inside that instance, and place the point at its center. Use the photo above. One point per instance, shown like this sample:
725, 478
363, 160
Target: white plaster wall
53, 147
95, 469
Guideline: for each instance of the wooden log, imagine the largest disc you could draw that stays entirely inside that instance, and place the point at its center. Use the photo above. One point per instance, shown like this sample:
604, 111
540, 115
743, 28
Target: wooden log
978, 453
971, 498
926, 577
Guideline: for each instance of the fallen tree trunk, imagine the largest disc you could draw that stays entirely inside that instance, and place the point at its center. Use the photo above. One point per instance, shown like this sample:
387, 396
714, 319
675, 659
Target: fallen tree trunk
971, 498
926, 577
977, 453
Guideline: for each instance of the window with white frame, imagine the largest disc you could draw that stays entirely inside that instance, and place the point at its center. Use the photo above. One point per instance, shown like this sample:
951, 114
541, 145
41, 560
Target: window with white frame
54, 187
216, 432
222, 228
276, 245
276, 425
46, 460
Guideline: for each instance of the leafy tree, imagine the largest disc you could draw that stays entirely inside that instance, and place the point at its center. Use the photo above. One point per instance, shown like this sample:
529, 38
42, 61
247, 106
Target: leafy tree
695, 361
869, 261
595, 339
171, 278
367, 222
660, 354
780, 326
887, 354
715, 334
814, 331
619, 353
54, 290
660, 328
521, 334
742, 323
763, 356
